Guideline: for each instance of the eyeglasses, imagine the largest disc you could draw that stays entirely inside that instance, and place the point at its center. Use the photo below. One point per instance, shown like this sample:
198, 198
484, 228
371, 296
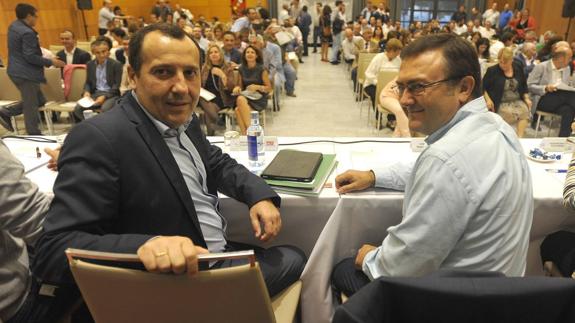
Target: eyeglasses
419, 88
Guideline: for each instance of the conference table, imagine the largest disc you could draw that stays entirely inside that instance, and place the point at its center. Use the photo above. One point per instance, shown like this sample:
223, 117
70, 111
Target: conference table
331, 227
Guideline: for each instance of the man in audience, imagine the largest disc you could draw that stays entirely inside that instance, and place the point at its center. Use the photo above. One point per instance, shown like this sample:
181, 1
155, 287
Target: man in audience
250, 14
151, 140
460, 15
154, 19
121, 54
487, 31
388, 60
231, 54
491, 15
71, 54
199, 38
161, 10
351, 46
105, 16
545, 82
506, 40
316, 14
26, 69
303, 23
526, 57
22, 211
180, 12
505, 17
338, 21
475, 14
468, 198
103, 79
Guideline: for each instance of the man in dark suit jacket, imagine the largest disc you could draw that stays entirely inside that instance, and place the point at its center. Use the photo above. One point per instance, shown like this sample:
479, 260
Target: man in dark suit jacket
26, 69
71, 54
147, 182
103, 79
231, 54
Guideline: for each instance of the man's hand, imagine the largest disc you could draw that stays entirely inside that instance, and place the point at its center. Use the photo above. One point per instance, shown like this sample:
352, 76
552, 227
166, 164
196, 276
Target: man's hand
56, 62
100, 100
265, 214
53, 153
550, 88
170, 254
237, 90
354, 180
361, 255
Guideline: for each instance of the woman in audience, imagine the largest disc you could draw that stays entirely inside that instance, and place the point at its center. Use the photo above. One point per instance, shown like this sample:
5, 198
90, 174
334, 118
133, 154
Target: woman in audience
254, 86
377, 40
219, 34
482, 47
475, 37
506, 91
524, 23
389, 100
218, 79
325, 23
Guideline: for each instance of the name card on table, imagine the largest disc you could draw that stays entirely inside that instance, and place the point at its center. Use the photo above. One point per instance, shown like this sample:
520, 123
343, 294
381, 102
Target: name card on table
556, 144
418, 145
270, 144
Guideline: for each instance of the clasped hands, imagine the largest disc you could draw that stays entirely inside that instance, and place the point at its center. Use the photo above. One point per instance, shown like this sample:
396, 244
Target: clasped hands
176, 254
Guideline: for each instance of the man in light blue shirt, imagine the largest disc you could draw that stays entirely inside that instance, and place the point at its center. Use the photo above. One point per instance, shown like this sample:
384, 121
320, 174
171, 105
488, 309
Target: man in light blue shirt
468, 198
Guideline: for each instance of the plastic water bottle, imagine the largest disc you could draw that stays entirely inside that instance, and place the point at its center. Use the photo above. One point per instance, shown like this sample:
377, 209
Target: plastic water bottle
255, 134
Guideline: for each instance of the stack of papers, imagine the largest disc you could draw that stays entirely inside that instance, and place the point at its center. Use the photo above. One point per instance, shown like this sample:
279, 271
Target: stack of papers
312, 188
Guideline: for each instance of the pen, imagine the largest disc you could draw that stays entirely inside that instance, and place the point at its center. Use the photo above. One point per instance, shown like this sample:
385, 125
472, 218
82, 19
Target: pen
556, 170
38, 153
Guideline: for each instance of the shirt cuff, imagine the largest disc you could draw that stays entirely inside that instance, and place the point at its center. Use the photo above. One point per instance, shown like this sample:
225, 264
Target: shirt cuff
369, 265
383, 176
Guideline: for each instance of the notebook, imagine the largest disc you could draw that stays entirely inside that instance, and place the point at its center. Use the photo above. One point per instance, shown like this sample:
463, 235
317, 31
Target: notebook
293, 165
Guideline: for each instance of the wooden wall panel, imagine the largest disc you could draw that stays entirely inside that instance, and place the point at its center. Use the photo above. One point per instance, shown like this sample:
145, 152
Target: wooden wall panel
57, 15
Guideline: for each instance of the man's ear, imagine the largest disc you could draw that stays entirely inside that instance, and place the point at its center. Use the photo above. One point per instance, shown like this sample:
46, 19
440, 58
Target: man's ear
465, 88
131, 74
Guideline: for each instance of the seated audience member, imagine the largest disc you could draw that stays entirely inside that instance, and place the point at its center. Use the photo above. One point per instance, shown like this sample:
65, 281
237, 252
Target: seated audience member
543, 82
218, 79
231, 54
253, 89
152, 184
281, 72
199, 38
526, 58
103, 78
468, 197
546, 51
487, 31
377, 41
522, 24
71, 54
482, 47
506, 40
389, 100
351, 45
388, 60
506, 93
22, 211
121, 54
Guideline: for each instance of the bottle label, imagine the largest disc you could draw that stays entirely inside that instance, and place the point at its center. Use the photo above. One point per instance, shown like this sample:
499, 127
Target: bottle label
253, 147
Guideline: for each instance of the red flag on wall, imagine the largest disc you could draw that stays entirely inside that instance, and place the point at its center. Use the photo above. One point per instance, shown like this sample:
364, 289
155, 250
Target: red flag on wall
238, 5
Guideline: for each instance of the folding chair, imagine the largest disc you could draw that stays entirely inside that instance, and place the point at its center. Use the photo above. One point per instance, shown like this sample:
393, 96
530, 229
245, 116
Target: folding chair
549, 116
362, 65
9, 94
383, 77
235, 294
55, 49
55, 93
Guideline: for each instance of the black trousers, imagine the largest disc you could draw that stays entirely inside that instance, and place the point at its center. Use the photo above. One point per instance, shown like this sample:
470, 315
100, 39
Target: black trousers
562, 103
346, 279
316, 37
32, 99
281, 266
305, 35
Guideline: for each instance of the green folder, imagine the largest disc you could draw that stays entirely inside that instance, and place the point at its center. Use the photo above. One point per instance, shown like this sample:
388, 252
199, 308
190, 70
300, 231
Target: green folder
327, 165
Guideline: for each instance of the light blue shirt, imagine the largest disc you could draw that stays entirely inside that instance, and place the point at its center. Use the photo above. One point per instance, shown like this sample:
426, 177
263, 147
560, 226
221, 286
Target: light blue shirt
468, 201
189, 161
101, 81
240, 23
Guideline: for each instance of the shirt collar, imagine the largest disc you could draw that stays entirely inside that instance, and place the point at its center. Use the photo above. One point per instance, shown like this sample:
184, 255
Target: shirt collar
475, 106
555, 68
70, 52
163, 128
103, 64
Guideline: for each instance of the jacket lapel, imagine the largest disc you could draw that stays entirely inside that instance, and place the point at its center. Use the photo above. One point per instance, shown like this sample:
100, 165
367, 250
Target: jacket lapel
163, 155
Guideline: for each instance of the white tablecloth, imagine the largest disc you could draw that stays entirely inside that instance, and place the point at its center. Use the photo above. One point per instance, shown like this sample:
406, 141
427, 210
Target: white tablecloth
330, 228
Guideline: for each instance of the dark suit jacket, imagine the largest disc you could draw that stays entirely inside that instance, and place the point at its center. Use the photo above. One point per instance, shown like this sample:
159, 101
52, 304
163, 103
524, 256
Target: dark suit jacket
80, 56
113, 75
119, 185
235, 56
520, 60
25, 59
461, 297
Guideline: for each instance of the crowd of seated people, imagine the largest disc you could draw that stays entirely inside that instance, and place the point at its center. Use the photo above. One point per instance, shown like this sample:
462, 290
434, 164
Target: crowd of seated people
491, 32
